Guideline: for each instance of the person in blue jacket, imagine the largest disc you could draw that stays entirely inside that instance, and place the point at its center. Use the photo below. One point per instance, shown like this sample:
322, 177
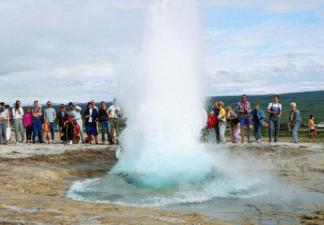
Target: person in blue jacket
258, 116
91, 117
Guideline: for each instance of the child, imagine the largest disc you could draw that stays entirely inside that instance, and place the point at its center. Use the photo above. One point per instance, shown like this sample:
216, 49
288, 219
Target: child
258, 121
222, 122
211, 123
8, 131
312, 128
28, 123
46, 131
76, 132
68, 130
232, 118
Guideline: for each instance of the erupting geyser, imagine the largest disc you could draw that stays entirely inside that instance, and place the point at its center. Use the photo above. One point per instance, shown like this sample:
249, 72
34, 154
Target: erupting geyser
164, 111
162, 161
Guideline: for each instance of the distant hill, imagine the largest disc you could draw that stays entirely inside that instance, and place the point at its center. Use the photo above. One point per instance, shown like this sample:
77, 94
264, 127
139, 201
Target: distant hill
307, 102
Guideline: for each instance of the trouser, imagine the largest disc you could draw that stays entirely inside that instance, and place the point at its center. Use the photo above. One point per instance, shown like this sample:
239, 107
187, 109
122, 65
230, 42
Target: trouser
29, 131
80, 123
294, 132
114, 127
37, 130
257, 131
211, 135
19, 128
3, 131
217, 133
274, 126
222, 130
68, 132
105, 128
51, 126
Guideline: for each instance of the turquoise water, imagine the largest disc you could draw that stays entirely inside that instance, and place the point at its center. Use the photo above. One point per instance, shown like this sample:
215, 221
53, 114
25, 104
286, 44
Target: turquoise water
246, 187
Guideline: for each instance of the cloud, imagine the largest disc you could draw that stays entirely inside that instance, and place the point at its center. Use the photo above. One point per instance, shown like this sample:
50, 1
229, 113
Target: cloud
76, 50
271, 79
65, 49
274, 6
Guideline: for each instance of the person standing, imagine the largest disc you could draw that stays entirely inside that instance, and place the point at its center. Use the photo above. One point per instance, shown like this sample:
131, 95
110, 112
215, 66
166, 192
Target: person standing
75, 112
68, 130
231, 117
37, 122
244, 110
50, 115
222, 122
104, 122
258, 121
216, 112
28, 123
114, 112
8, 131
275, 111
4, 120
91, 117
211, 122
61, 118
295, 121
18, 115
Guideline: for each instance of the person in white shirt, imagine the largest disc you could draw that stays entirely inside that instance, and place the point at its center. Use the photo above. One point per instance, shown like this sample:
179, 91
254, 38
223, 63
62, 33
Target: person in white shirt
75, 112
114, 113
275, 111
18, 115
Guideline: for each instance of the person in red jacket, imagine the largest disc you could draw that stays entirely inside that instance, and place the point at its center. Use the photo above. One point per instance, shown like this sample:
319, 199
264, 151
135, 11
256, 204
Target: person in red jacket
211, 123
76, 132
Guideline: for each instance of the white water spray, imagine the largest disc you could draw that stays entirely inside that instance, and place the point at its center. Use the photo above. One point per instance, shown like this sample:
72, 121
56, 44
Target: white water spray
165, 109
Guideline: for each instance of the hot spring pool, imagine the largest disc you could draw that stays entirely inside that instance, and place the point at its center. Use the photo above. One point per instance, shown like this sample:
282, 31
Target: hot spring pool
219, 194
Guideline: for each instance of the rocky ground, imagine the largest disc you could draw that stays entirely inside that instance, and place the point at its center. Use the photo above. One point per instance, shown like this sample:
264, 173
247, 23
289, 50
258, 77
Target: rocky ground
34, 180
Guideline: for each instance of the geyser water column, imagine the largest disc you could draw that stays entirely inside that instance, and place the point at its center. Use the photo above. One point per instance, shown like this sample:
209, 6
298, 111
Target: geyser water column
164, 102
163, 162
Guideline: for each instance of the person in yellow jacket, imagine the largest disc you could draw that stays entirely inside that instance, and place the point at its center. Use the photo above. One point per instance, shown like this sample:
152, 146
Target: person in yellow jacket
222, 122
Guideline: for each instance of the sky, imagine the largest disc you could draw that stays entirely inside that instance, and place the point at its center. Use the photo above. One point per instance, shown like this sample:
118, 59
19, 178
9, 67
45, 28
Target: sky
75, 50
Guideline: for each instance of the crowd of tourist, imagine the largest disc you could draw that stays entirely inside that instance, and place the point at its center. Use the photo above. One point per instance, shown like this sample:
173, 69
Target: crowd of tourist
245, 116
37, 124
